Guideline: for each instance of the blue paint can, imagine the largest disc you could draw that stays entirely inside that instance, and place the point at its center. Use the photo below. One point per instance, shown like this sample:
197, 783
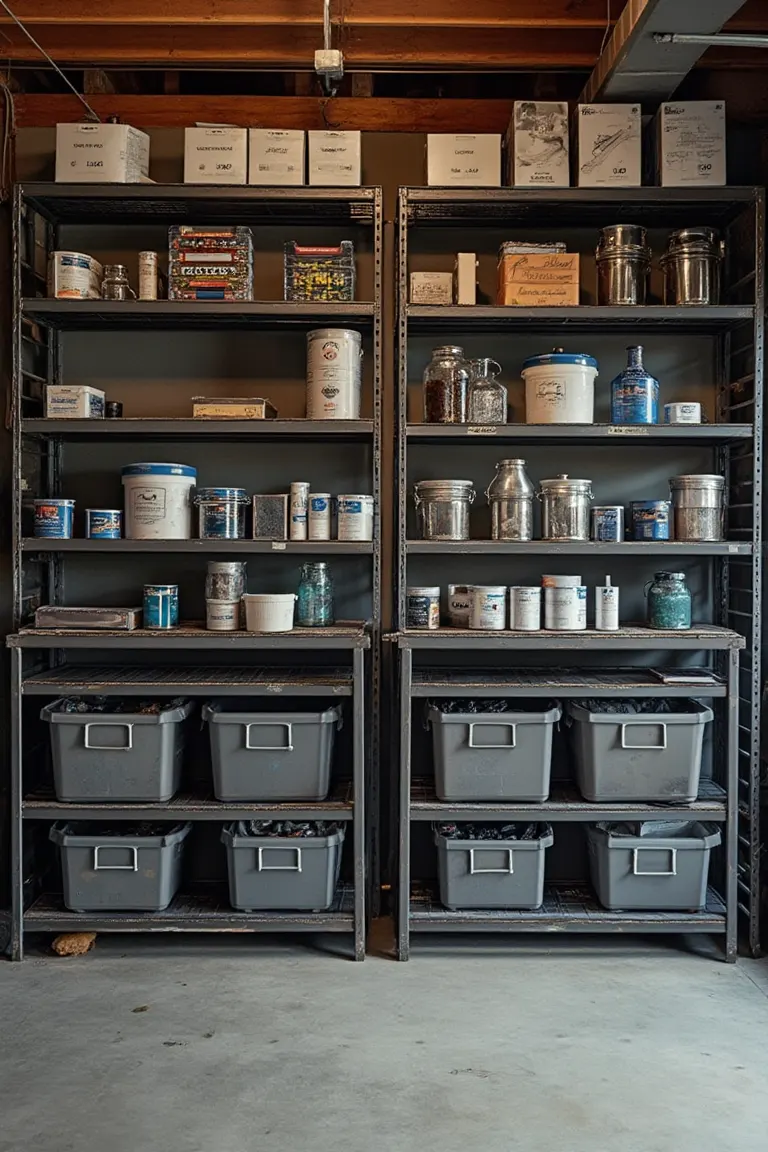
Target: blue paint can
608, 522
53, 519
651, 519
103, 523
222, 513
161, 605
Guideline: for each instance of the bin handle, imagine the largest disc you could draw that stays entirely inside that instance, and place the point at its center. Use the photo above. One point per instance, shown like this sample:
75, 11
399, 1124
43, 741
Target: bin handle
269, 747
508, 871
279, 867
479, 724
644, 747
672, 871
108, 724
134, 867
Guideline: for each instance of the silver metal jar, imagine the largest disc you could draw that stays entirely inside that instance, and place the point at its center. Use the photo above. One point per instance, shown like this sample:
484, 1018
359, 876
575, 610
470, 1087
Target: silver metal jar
565, 508
698, 507
623, 262
692, 265
442, 508
115, 284
510, 495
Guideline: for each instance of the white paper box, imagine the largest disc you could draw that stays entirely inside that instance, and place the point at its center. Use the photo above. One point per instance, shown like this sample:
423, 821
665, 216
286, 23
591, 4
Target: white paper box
609, 145
463, 161
73, 402
431, 288
537, 145
215, 155
690, 144
465, 278
275, 157
335, 159
101, 154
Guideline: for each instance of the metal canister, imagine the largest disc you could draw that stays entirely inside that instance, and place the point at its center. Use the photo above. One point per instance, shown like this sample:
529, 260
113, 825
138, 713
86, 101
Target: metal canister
459, 605
651, 519
623, 262
510, 496
442, 508
161, 605
608, 523
565, 508
115, 285
692, 266
697, 502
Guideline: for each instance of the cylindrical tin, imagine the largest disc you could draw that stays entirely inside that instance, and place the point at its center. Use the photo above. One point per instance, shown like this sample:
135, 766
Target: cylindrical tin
161, 605
74, 276
355, 517
442, 508
698, 506
608, 522
651, 519
559, 388
565, 508
225, 580
489, 607
53, 519
319, 516
222, 513
103, 523
423, 608
548, 581
222, 615
334, 374
689, 413
113, 409
691, 266
510, 496
606, 607
623, 261
299, 501
459, 605
525, 609
565, 609
147, 275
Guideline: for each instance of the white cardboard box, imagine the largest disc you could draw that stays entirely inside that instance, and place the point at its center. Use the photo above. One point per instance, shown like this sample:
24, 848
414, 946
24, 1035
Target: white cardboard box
690, 144
335, 159
609, 145
431, 287
276, 157
101, 154
466, 160
537, 145
465, 278
73, 402
215, 155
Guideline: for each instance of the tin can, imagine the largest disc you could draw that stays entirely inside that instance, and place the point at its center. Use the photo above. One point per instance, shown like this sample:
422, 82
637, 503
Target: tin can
423, 608
53, 519
489, 607
565, 609
222, 615
334, 374
103, 523
147, 275
608, 522
222, 513
319, 516
682, 413
651, 519
161, 605
459, 605
113, 409
355, 517
525, 609
299, 501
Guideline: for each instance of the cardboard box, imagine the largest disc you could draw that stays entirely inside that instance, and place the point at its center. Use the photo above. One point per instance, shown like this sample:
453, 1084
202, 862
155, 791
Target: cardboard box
335, 159
233, 408
431, 288
465, 278
539, 280
463, 161
114, 619
537, 145
276, 158
690, 144
215, 155
101, 154
73, 402
609, 145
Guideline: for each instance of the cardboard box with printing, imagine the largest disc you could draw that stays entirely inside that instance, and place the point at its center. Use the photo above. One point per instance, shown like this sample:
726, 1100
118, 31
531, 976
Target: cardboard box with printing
541, 281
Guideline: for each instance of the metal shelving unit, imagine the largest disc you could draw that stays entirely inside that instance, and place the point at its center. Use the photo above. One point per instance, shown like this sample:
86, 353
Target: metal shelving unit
548, 665
309, 665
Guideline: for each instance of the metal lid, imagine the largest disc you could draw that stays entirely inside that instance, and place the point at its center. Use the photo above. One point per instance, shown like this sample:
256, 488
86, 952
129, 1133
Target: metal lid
226, 567
334, 334
557, 356
448, 350
566, 484
700, 481
623, 236
422, 591
427, 486
204, 495
669, 575
701, 235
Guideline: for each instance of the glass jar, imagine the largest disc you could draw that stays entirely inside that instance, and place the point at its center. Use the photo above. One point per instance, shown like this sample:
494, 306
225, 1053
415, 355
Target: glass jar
487, 397
115, 284
446, 387
315, 600
669, 602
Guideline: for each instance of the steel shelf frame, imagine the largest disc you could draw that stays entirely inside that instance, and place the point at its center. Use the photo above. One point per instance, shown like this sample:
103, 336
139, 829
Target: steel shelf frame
39, 664
731, 645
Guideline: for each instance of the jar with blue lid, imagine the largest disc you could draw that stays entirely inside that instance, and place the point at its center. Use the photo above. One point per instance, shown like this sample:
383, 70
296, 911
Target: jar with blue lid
669, 602
634, 392
560, 388
222, 513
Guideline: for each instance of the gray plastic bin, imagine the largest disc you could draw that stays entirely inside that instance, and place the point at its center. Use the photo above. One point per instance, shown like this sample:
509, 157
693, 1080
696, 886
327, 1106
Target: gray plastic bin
263, 756
119, 756
659, 865
119, 873
279, 872
493, 755
639, 757
492, 873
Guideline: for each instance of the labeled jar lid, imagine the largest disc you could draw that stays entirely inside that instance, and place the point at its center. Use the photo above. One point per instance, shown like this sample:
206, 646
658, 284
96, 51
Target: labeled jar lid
557, 356
704, 480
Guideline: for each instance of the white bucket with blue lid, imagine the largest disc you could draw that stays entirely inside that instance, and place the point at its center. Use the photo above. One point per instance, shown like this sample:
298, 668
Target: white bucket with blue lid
560, 388
158, 501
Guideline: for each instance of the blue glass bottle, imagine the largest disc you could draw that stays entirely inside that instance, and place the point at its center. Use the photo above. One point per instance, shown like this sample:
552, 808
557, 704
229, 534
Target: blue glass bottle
315, 601
669, 602
634, 392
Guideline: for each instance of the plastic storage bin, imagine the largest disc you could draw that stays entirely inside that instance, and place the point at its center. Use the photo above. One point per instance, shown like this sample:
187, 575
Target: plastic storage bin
119, 872
271, 755
280, 872
655, 865
493, 756
492, 873
639, 757
117, 756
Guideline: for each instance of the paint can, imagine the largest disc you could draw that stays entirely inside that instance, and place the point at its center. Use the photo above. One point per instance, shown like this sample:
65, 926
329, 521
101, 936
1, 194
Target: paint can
222, 513
158, 504
334, 374
161, 605
299, 501
608, 523
561, 581
682, 413
103, 523
74, 276
147, 275
222, 615
459, 605
423, 609
319, 516
565, 609
651, 519
355, 517
489, 607
53, 519
225, 580
525, 609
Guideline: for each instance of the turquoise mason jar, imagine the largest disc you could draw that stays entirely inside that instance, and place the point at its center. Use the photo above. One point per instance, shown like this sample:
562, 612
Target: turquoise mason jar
315, 599
669, 602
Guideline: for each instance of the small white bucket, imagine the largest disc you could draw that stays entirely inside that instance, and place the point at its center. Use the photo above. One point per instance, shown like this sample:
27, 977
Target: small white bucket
525, 609
559, 388
565, 609
222, 615
158, 501
355, 517
269, 611
489, 607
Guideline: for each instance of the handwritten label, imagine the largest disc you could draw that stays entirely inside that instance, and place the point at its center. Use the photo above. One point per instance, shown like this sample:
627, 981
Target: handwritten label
482, 430
278, 545
628, 430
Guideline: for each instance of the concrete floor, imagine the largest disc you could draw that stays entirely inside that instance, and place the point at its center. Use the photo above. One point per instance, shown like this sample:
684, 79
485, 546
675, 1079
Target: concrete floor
255, 1045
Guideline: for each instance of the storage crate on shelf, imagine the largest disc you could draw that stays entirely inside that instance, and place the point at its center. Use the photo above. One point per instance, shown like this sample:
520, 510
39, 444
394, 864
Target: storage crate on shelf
653, 865
476, 873
282, 872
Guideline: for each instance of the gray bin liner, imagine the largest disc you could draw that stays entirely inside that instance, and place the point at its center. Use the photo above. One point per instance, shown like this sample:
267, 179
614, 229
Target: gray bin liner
643, 757
493, 756
119, 873
120, 756
492, 873
262, 756
660, 865
280, 872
